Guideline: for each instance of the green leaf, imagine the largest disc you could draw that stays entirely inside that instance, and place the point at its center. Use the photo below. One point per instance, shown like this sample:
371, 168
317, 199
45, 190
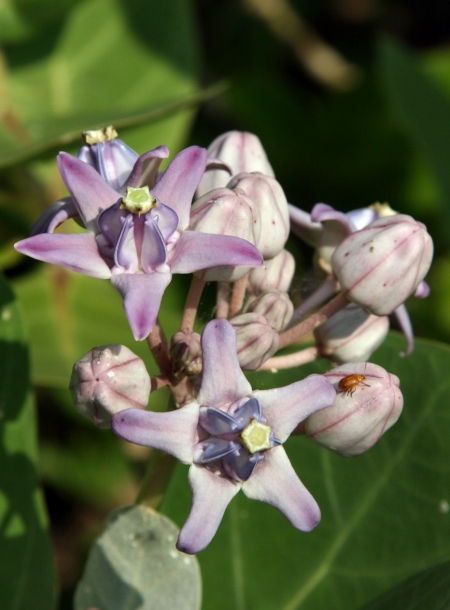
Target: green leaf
26, 562
421, 106
134, 566
99, 63
429, 590
384, 514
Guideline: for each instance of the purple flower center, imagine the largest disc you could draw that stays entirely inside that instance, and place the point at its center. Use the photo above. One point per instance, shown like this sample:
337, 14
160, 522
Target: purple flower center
238, 438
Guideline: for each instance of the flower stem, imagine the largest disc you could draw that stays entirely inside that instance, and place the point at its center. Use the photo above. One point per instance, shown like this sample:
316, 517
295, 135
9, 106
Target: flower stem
160, 349
223, 300
303, 328
192, 302
156, 479
290, 360
237, 298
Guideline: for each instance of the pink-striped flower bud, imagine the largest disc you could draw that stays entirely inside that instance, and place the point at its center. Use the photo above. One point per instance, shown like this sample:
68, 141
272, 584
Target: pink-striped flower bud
226, 212
368, 402
275, 306
256, 340
268, 195
379, 266
186, 353
276, 274
351, 335
109, 379
242, 152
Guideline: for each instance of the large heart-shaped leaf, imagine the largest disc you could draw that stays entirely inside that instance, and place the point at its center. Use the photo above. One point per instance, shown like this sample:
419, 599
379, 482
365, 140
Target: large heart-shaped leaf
384, 514
26, 562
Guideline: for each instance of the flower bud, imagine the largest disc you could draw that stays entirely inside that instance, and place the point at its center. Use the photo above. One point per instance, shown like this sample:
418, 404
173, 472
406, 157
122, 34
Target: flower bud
256, 340
268, 195
107, 380
361, 413
242, 152
351, 335
381, 265
186, 353
111, 157
276, 274
275, 306
226, 212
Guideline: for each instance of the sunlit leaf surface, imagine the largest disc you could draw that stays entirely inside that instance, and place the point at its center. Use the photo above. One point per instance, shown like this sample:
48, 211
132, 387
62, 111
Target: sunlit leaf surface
384, 514
134, 566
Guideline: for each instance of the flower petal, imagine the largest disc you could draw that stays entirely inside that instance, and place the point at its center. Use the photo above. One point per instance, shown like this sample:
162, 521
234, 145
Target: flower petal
303, 226
77, 252
404, 321
154, 251
89, 191
322, 212
168, 220
145, 169
125, 253
142, 294
274, 481
284, 408
223, 382
195, 251
115, 160
177, 185
54, 215
173, 432
211, 495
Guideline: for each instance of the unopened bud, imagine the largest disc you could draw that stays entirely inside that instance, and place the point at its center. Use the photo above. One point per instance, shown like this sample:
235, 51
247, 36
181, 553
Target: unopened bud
256, 340
351, 335
242, 152
226, 212
107, 380
381, 265
110, 156
268, 195
276, 274
186, 353
368, 402
275, 306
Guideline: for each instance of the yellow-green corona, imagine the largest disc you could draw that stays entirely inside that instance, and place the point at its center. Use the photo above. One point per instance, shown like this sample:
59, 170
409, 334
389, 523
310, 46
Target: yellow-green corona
256, 436
138, 200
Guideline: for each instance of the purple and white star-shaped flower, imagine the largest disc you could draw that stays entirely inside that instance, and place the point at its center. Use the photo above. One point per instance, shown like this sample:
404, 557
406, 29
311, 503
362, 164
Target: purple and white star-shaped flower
232, 436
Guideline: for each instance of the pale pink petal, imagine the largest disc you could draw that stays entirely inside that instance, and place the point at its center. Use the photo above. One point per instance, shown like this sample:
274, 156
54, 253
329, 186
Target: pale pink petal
77, 252
322, 212
142, 294
274, 481
89, 191
195, 251
173, 432
177, 185
404, 321
303, 226
54, 215
223, 382
211, 494
284, 408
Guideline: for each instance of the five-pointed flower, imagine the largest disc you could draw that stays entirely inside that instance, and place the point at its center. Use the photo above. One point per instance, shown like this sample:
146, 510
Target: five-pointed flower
141, 239
232, 438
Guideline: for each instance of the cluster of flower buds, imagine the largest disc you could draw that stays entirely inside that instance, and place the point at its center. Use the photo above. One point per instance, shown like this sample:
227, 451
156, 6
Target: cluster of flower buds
220, 214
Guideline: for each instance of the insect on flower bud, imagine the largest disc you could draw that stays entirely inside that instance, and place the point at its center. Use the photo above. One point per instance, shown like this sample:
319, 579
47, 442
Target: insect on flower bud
275, 306
186, 353
256, 340
351, 335
242, 152
381, 265
268, 195
276, 274
107, 380
226, 212
368, 402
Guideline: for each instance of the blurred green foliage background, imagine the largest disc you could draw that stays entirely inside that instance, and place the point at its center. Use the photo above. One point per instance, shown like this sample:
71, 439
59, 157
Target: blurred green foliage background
351, 99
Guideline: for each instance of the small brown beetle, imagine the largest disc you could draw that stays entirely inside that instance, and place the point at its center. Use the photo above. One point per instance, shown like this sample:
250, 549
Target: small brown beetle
349, 383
